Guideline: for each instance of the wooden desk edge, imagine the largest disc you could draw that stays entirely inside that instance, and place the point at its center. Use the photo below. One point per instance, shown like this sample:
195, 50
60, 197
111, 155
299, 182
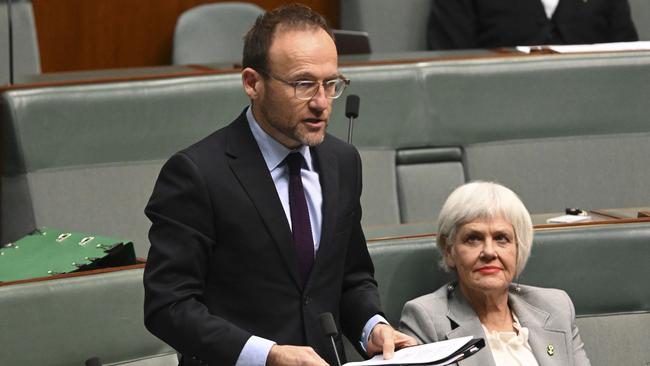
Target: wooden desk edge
199, 70
141, 261
138, 265
538, 227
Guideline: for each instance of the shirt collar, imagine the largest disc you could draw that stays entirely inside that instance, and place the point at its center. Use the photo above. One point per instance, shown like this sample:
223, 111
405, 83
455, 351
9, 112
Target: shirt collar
273, 151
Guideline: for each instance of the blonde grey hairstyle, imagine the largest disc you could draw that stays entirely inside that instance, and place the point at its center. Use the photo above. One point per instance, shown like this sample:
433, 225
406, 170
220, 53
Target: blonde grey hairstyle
484, 200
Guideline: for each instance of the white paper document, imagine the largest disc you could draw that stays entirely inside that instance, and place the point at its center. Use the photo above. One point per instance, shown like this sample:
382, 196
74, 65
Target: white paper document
567, 219
602, 47
595, 47
427, 354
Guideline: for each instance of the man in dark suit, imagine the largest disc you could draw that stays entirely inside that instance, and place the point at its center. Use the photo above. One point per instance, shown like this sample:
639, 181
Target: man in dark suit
256, 228
456, 24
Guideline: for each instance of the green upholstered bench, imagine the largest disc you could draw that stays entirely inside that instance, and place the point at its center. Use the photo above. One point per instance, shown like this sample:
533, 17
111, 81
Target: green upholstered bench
63, 322
603, 268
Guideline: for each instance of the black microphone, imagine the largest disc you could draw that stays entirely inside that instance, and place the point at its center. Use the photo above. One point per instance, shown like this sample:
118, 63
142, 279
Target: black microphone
352, 112
93, 361
327, 320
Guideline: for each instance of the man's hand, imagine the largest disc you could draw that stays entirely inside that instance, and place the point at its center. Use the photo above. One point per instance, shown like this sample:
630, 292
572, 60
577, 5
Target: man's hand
293, 355
384, 339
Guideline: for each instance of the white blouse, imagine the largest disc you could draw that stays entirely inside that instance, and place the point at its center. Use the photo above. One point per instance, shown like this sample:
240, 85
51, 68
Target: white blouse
510, 348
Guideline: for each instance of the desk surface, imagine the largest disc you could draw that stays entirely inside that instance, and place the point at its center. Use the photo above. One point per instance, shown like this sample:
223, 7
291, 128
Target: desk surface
143, 73
598, 217
414, 230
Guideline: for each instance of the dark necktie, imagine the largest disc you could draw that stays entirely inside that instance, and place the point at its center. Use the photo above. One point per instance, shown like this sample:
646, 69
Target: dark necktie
300, 223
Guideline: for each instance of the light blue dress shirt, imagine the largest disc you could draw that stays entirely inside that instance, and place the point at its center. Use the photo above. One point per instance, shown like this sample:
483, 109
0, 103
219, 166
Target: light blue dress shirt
256, 349
274, 154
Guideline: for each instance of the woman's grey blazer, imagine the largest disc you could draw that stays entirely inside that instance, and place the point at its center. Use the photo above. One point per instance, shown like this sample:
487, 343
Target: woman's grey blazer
547, 313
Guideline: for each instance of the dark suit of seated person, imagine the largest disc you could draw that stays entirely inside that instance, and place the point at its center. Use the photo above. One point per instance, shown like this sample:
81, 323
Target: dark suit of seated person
462, 24
485, 236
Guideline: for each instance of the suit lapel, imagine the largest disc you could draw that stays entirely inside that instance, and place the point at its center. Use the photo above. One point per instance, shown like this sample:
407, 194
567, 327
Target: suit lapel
462, 314
327, 166
539, 8
247, 163
541, 333
542, 336
563, 6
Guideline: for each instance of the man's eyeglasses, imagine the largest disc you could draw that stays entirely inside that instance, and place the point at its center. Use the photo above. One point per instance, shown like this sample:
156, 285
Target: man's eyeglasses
307, 89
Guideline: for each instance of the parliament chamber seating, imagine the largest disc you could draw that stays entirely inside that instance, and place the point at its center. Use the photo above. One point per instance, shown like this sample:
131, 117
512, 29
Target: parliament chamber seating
213, 33
392, 26
63, 322
26, 59
603, 267
85, 157
562, 131
641, 18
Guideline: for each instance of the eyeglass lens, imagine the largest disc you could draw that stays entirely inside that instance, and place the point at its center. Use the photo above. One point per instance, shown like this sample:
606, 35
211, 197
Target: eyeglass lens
308, 89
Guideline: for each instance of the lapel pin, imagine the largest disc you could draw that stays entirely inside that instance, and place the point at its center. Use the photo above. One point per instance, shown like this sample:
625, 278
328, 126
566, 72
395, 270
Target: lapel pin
550, 350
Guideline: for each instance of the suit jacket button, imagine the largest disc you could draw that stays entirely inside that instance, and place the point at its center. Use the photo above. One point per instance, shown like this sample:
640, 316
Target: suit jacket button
306, 300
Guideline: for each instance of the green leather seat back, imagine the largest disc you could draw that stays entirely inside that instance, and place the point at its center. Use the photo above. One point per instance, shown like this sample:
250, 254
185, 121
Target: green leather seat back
64, 322
641, 18
603, 268
85, 157
213, 33
393, 26
26, 57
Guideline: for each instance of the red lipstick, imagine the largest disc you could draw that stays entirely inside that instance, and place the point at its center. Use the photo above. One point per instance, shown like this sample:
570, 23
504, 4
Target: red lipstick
489, 269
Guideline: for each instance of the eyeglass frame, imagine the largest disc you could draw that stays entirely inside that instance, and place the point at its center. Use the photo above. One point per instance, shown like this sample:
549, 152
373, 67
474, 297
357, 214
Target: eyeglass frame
296, 83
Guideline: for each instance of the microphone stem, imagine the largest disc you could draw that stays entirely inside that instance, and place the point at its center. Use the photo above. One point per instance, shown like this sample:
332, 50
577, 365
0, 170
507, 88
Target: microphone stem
350, 128
338, 360
10, 29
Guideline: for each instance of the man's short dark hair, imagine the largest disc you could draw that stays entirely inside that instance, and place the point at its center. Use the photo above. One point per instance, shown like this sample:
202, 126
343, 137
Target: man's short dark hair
257, 41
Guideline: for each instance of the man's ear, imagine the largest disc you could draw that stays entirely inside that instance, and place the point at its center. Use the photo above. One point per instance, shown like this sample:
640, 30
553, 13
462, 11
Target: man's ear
252, 82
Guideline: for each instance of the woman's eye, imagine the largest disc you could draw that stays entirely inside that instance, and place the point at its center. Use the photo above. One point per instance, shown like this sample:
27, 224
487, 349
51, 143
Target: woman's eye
503, 239
473, 239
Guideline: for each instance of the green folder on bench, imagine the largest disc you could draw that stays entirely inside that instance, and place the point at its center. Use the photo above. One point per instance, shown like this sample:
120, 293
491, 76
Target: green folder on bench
48, 251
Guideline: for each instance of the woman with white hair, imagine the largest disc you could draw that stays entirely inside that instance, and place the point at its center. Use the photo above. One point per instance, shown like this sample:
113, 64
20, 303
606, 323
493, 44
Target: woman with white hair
485, 236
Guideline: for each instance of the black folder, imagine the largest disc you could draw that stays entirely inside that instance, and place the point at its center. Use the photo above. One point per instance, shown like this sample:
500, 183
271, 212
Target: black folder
432, 354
